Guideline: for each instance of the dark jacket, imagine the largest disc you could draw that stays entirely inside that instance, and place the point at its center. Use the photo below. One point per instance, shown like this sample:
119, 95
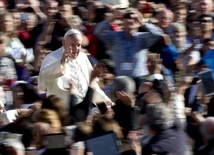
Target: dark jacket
126, 116
207, 149
169, 141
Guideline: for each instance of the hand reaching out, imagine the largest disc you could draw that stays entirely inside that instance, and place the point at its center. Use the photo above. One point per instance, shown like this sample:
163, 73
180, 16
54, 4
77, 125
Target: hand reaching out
21, 113
99, 71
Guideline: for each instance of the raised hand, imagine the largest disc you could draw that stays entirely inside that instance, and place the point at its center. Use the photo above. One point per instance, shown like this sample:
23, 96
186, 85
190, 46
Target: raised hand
67, 55
154, 63
125, 98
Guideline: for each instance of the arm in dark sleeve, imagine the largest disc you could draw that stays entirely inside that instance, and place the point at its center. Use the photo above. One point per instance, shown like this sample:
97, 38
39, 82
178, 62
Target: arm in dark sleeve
158, 85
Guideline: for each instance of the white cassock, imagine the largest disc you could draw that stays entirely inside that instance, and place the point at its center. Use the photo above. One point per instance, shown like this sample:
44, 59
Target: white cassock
52, 79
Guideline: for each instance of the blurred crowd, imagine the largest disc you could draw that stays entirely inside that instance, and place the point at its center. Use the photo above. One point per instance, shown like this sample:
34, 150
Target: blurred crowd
150, 53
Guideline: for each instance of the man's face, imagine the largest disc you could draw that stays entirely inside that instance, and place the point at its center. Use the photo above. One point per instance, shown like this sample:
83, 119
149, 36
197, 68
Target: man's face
73, 43
8, 24
51, 9
206, 24
206, 6
2, 6
178, 34
131, 22
164, 19
66, 10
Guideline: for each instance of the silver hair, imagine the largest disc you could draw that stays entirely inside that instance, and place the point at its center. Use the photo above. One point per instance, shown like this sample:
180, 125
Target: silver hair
179, 26
122, 83
207, 128
159, 116
72, 32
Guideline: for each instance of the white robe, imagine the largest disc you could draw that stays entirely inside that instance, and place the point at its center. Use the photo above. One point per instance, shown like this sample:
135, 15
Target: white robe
54, 81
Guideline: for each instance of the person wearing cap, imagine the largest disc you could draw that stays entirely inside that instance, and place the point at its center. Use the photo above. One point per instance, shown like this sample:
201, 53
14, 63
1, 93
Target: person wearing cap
68, 71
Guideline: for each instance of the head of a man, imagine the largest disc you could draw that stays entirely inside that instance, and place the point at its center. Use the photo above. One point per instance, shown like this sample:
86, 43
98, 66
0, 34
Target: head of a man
65, 9
2, 6
131, 21
72, 42
122, 83
178, 35
206, 23
159, 117
205, 6
165, 18
51, 8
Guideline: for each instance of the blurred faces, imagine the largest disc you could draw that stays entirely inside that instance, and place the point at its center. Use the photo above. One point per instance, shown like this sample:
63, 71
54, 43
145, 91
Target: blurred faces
180, 16
2, 6
164, 18
73, 43
31, 21
18, 96
131, 22
8, 24
205, 6
206, 24
179, 34
17, 19
91, 10
193, 27
51, 8
66, 10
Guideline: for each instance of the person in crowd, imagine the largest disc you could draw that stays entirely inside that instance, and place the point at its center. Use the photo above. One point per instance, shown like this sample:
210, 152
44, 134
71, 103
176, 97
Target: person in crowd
68, 71
205, 7
206, 128
188, 55
125, 112
164, 20
192, 25
166, 139
54, 103
65, 20
24, 96
2, 6
180, 10
169, 101
7, 67
126, 46
14, 48
206, 25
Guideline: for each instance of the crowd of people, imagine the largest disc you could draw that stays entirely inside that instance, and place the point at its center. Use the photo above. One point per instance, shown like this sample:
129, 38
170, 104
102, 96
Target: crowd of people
77, 69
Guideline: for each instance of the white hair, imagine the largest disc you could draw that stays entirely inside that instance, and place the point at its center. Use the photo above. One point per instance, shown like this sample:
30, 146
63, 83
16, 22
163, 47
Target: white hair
159, 116
122, 83
71, 32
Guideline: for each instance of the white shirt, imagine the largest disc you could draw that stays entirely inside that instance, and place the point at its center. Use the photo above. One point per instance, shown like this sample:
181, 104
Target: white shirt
76, 77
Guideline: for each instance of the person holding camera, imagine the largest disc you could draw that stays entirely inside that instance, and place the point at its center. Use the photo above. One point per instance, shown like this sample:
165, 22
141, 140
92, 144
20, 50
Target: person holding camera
129, 47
